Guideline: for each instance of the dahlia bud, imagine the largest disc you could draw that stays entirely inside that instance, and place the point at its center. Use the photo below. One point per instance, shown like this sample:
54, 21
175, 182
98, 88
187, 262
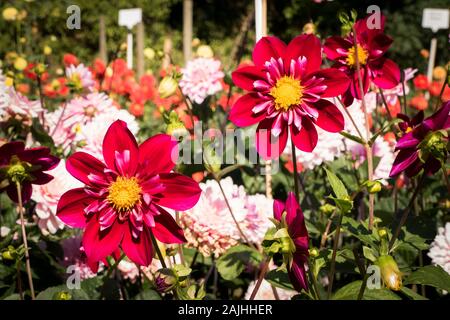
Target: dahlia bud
313, 252
16, 172
62, 295
167, 87
382, 233
374, 186
9, 254
327, 209
211, 159
390, 273
434, 144
175, 127
165, 280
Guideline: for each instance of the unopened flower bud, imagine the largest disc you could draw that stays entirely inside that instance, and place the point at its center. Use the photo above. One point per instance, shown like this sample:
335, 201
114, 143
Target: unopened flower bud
165, 280
374, 186
211, 160
327, 209
313, 252
20, 63
382, 233
63, 295
390, 273
205, 51
167, 87
434, 144
9, 254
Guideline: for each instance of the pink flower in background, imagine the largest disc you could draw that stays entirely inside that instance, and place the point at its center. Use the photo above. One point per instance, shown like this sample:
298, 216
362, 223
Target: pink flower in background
74, 257
201, 78
209, 226
15, 105
80, 77
47, 196
123, 197
440, 248
392, 95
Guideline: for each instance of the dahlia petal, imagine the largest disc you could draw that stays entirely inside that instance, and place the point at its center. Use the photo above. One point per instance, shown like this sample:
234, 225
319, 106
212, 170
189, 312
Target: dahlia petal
107, 218
291, 208
166, 229
81, 165
245, 77
242, 114
100, 244
336, 48
404, 159
297, 273
139, 250
41, 178
440, 119
71, 207
330, 117
8, 149
266, 48
388, 75
118, 138
278, 209
336, 82
26, 191
354, 84
268, 146
165, 157
379, 44
305, 139
407, 141
306, 45
180, 193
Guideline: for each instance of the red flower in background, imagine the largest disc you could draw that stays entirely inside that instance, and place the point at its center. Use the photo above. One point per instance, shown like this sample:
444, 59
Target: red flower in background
421, 82
70, 59
123, 198
56, 88
419, 102
24, 166
286, 90
295, 220
369, 49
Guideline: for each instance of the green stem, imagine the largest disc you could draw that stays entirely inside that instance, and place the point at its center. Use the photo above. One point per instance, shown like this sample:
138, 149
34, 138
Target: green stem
333, 257
25, 242
158, 251
260, 278
114, 266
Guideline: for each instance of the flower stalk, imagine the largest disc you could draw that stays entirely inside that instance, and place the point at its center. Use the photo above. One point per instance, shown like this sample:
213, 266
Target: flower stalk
260, 278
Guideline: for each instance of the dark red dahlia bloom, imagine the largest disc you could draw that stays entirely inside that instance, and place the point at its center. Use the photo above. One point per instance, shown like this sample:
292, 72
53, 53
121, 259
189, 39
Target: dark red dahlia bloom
24, 166
123, 198
286, 90
423, 144
293, 215
370, 48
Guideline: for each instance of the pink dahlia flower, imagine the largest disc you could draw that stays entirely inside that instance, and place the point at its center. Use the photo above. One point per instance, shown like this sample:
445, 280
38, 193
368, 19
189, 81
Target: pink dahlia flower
369, 50
209, 225
80, 77
440, 248
296, 226
15, 105
46, 197
201, 78
286, 91
122, 201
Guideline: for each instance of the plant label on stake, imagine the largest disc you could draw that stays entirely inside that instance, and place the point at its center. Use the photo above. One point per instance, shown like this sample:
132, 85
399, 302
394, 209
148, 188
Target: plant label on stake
434, 19
129, 18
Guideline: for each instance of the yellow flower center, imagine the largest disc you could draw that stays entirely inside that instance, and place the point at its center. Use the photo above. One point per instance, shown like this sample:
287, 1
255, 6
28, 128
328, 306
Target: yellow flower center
124, 193
287, 92
362, 56
409, 129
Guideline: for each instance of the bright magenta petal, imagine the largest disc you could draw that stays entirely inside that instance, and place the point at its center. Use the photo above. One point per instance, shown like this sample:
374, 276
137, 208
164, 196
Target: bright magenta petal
405, 158
71, 207
278, 209
180, 193
306, 138
100, 244
330, 118
336, 48
388, 76
266, 48
81, 165
158, 154
166, 229
242, 115
297, 273
139, 250
244, 77
305, 45
120, 149
336, 81
267, 145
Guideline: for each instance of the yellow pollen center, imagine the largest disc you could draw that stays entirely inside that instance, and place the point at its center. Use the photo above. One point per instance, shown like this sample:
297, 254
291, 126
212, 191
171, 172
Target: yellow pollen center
409, 129
124, 193
287, 92
362, 56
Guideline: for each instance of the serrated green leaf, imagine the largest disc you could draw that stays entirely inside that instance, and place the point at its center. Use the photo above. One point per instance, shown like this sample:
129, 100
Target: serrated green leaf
233, 262
279, 278
336, 184
370, 254
411, 294
433, 276
351, 291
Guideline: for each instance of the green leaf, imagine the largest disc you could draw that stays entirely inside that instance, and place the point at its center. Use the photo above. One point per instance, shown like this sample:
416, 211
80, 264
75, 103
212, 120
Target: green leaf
234, 261
279, 278
344, 205
40, 134
352, 137
148, 295
411, 294
336, 184
351, 291
370, 254
50, 293
433, 276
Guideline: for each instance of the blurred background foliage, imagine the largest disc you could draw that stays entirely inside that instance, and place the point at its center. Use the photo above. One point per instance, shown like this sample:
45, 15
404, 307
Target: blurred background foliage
216, 22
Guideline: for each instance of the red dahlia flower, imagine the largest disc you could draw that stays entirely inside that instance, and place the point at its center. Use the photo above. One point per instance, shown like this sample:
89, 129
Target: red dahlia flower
123, 199
287, 88
423, 146
369, 49
291, 214
24, 166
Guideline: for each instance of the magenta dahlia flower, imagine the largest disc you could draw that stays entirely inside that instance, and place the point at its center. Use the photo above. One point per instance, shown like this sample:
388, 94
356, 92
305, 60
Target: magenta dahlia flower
423, 145
122, 201
369, 49
286, 90
24, 166
295, 221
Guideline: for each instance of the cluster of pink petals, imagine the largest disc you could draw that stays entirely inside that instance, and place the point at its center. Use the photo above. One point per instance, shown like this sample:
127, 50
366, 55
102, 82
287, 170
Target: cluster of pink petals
83, 74
15, 105
74, 257
440, 248
209, 226
201, 78
47, 196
